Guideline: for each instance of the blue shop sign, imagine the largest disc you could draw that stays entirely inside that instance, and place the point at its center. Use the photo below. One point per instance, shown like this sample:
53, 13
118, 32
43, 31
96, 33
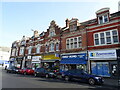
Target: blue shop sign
74, 58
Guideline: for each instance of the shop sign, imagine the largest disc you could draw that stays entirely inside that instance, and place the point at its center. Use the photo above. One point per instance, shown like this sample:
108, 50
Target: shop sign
28, 57
12, 59
75, 56
51, 57
103, 54
20, 58
36, 59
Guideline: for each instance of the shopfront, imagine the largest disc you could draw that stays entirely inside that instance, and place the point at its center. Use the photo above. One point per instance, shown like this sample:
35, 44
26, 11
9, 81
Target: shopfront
36, 61
50, 60
103, 62
28, 61
12, 61
73, 61
19, 62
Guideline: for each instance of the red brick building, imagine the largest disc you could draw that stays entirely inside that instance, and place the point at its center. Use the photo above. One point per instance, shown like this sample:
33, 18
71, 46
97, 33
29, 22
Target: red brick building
89, 45
74, 49
103, 34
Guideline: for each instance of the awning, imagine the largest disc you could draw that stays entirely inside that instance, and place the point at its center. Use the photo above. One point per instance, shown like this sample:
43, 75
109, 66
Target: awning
64, 61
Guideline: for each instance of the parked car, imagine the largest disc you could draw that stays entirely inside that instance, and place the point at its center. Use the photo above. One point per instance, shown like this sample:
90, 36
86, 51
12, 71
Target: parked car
82, 76
42, 72
29, 71
12, 69
21, 71
26, 71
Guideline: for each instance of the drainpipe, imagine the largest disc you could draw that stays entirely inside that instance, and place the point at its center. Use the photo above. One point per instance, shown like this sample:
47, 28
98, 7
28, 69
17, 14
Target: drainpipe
88, 60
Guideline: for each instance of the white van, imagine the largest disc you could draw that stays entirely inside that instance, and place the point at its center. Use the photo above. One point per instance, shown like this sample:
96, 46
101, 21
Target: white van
6, 64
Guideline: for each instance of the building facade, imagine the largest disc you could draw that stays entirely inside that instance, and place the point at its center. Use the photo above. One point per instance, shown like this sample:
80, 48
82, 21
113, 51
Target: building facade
103, 41
74, 46
4, 54
89, 45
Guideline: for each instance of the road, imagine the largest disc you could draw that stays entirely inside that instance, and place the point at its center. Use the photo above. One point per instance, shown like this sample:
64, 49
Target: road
20, 81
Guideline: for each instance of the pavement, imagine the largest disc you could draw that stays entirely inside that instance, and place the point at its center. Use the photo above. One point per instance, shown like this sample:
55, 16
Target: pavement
111, 82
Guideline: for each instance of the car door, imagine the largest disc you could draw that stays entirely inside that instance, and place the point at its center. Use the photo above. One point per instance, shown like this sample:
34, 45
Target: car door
42, 72
80, 75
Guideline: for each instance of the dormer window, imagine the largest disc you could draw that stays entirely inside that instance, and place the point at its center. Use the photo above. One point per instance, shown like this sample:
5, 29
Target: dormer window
52, 33
103, 19
103, 15
73, 27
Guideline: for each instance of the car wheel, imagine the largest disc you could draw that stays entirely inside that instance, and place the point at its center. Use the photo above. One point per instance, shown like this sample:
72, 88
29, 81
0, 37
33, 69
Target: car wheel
91, 81
59, 76
67, 78
47, 76
24, 73
35, 74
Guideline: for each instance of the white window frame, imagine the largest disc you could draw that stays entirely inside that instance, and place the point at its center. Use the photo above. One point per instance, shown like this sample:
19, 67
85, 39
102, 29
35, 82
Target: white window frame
13, 52
68, 45
30, 50
38, 49
51, 47
111, 35
46, 48
103, 19
21, 50
57, 46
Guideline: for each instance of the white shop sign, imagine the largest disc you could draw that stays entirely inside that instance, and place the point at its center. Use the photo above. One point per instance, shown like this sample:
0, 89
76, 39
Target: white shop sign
28, 57
102, 54
36, 59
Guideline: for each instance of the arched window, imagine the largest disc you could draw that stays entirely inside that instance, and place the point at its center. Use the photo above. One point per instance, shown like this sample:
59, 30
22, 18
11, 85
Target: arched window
51, 48
57, 46
38, 49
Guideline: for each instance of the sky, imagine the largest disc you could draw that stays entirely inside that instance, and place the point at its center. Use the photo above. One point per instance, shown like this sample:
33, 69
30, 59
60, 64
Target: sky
20, 17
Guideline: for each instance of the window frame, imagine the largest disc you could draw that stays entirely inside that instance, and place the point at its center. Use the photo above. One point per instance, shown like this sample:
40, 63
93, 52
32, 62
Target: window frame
103, 19
105, 37
69, 43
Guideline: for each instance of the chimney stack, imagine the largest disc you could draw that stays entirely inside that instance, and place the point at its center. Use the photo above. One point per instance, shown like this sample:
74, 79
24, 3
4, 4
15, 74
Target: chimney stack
67, 22
36, 34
